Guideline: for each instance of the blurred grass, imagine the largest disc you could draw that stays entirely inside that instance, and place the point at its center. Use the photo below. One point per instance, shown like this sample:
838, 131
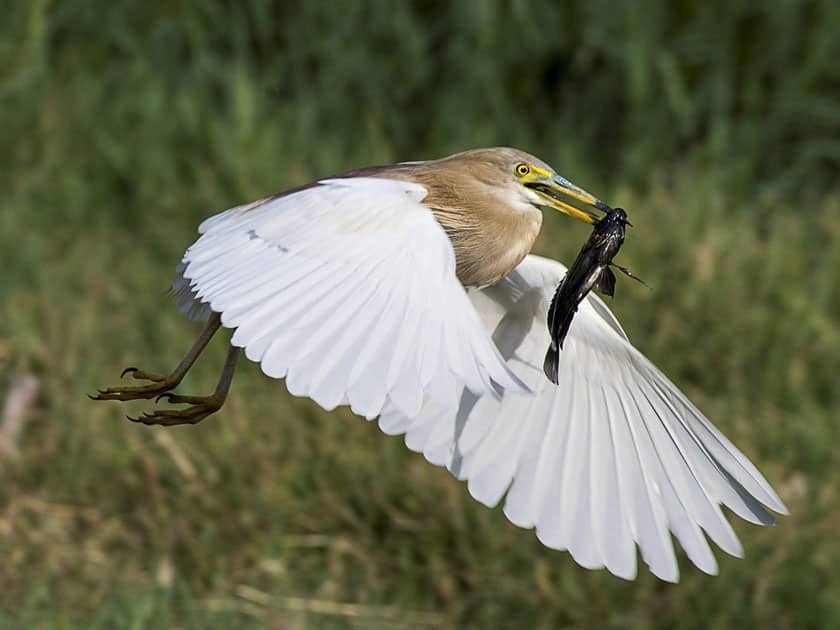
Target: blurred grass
124, 124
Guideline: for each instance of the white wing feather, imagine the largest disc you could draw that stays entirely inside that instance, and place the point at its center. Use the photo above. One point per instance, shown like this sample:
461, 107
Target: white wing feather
613, 457
348, 290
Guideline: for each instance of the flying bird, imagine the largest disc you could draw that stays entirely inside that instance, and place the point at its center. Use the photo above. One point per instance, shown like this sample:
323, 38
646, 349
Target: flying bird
408, 292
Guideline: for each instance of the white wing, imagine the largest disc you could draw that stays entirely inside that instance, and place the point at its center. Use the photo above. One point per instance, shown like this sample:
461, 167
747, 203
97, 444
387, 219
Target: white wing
348, 290
612, 457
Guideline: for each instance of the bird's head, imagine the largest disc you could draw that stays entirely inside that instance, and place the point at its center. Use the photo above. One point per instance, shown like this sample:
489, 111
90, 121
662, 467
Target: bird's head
524, 179
547, 189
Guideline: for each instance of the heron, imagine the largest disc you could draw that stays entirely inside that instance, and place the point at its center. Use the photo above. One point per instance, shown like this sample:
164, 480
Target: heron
408, 292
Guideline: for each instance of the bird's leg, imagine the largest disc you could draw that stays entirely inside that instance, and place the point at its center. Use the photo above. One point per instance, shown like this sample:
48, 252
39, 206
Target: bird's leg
160, 383
199, 406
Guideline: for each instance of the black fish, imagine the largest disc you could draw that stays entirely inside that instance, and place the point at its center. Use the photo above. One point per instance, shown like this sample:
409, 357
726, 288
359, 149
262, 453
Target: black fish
591, 269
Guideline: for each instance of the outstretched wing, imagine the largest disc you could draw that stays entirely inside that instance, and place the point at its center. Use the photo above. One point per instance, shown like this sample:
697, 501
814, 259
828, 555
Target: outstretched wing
612, 457
348, 290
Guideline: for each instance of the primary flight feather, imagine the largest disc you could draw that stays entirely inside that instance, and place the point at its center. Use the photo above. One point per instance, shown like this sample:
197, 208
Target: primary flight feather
408, 293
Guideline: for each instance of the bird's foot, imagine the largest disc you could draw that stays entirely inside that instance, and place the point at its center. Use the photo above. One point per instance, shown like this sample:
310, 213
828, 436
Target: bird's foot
160, 384
199, 408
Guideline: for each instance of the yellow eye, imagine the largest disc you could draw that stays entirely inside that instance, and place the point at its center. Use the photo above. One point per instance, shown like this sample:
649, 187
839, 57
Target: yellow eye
521, 169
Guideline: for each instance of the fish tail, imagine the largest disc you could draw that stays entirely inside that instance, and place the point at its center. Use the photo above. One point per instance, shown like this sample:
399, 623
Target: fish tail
551, 363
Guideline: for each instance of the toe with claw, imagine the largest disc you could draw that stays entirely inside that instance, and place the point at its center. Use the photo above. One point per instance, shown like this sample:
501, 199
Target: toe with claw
141, 375
199, 408
159, 385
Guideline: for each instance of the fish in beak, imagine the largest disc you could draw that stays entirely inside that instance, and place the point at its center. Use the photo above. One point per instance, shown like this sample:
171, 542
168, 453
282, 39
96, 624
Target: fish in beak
591, 270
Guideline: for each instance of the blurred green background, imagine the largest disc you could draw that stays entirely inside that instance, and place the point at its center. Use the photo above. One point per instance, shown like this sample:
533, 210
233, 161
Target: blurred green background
122, 124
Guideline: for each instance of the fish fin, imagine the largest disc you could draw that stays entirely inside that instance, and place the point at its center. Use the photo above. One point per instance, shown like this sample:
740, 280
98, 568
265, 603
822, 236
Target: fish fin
605, 284
630, 274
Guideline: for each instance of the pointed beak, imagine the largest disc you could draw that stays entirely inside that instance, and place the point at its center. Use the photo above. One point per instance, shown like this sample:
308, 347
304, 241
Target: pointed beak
557, 193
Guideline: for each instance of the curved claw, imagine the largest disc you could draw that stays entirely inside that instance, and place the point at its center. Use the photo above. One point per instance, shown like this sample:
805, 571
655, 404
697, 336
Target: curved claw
144, 419
167, 395
127, 370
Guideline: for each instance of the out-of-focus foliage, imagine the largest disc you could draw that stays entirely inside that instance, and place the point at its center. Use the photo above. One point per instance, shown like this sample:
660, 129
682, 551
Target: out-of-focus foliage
749, 90
123, 123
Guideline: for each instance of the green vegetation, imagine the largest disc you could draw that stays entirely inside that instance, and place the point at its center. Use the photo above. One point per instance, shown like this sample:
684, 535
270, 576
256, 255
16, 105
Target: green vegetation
124, 123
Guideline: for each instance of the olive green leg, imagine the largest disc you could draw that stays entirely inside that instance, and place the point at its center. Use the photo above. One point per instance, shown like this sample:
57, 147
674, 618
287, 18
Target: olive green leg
161, 384
199, 406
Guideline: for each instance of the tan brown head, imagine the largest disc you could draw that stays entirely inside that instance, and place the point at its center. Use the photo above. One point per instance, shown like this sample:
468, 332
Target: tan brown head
515, 178
489, 201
